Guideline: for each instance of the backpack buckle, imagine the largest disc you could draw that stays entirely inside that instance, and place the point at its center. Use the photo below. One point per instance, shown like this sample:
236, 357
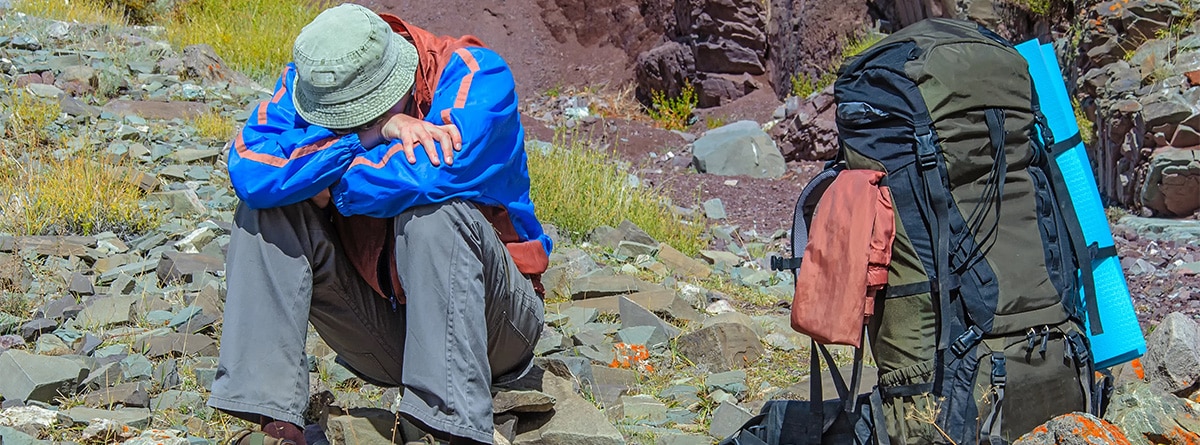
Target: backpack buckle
782, 264
999, 371
926, 153
966, 341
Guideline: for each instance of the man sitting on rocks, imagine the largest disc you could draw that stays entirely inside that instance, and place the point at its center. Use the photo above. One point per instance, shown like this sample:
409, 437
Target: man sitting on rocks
423, 273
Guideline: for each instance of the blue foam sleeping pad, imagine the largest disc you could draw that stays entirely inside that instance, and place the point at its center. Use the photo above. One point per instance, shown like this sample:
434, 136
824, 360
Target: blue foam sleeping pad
1122, 339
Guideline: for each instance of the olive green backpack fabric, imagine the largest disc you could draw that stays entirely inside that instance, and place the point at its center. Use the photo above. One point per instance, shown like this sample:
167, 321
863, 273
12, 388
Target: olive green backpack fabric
978, 335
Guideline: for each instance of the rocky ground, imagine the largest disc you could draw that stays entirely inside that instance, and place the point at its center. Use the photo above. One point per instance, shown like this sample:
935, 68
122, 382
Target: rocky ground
111, 338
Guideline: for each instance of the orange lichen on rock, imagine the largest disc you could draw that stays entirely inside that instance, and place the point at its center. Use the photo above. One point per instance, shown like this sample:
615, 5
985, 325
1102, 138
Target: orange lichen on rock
629, 356
1138, 370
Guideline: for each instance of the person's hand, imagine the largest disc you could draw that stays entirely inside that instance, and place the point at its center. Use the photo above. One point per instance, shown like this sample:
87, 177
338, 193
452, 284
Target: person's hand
411, 132
322, 199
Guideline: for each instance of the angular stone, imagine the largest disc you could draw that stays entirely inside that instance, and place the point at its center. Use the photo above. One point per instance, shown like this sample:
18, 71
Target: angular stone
181, 202
721, 258
132, 270
550, 342
136, 367
522, 402
128, 394
643, 408
12, 436
633, 315
156, 110
733, 382
188, 401
727, 418
630, 249
33, 377
681, 265
33, 420
107, 431
160, 437
61, 246
32, 329
714, 209
106, 375
1172, 360
81, 284
1142, 411
187, 267
1066, 429
51, 345
721, 347
575, 421
177, 345
1172, 186
134, 417
592, 287
738, 149
107, 312
363, 426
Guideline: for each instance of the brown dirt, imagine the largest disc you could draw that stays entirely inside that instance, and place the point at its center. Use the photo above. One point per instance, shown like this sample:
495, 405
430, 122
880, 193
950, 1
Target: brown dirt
549, 47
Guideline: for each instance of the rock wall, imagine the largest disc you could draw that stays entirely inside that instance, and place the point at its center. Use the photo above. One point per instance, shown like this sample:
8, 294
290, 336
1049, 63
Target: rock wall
717, 46
1141, 84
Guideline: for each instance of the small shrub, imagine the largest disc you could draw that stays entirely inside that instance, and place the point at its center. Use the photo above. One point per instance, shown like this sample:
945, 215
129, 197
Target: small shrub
578, 187
803, 86
1087, 130
673, 113
714, 122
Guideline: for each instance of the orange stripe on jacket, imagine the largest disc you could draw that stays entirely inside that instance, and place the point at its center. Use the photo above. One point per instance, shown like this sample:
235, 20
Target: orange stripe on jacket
278, 161
282, 86
465, 86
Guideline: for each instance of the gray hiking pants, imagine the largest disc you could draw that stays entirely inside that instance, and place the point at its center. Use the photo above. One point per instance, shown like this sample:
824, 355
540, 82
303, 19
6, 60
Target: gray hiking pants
471, 318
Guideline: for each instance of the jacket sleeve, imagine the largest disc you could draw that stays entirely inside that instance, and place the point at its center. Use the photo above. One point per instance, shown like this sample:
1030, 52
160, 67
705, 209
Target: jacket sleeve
279, 159
476, 93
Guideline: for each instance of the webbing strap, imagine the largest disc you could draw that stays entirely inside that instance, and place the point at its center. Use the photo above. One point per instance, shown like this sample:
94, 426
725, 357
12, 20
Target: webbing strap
1083, 256
881, 434
938, 198
1060, 147
992, 424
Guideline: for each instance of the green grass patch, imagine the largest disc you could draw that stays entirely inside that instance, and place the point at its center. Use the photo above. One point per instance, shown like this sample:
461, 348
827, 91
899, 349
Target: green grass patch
578, 187
82, 11
259, 43
48, 194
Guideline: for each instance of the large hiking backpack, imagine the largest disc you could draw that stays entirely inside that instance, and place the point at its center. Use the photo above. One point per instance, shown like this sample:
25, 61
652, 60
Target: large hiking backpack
978, 334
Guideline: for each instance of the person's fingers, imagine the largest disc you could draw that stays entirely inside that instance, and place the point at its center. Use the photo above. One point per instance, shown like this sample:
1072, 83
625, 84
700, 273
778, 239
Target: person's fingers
427, 143
455, 135
407, 140
445, 138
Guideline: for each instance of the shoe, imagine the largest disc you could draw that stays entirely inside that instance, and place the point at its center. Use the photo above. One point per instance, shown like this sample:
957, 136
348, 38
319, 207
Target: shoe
274, 433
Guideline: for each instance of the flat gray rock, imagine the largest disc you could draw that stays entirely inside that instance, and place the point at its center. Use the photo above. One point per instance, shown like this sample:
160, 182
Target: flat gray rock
575, 421
738, 149
522, 402
726, 419
633, 314
177, 345
40, 378
721, 347
1172, 360
176, 267
127, 394
107, 312
134, 417
592, 287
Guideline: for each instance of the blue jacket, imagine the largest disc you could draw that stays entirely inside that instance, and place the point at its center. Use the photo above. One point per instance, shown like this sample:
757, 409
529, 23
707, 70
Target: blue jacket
279, 159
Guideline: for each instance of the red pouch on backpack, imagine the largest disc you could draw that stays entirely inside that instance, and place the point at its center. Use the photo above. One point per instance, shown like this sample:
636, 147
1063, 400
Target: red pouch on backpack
846, 259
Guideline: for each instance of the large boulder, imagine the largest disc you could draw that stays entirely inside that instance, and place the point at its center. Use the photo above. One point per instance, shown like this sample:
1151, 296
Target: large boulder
740, 148
1074, 429
1150, 414
1172, 359
1172, 186
665, 69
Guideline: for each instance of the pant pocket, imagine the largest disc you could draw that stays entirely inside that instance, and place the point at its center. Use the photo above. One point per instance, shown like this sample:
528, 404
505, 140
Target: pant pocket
511, 339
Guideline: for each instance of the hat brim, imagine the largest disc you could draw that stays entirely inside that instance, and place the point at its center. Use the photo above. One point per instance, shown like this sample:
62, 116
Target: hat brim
364, 109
